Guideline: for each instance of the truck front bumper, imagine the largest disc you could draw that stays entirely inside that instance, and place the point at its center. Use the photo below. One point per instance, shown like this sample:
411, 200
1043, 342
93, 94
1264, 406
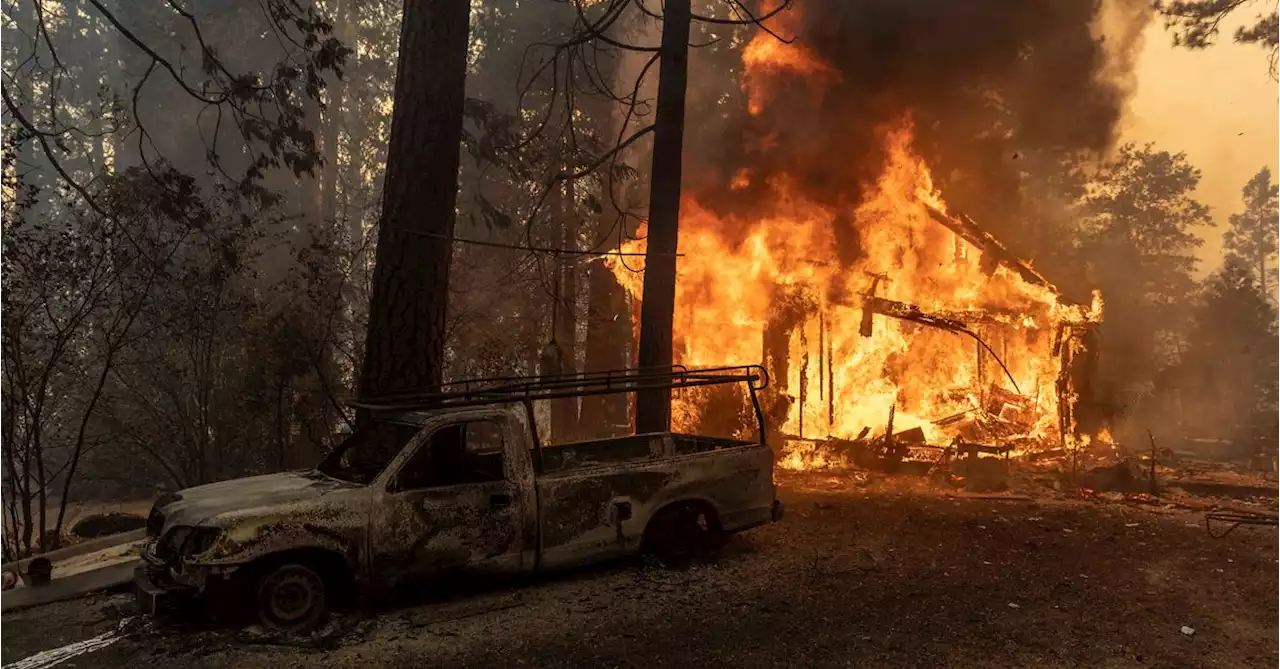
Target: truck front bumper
146, 592
153, 586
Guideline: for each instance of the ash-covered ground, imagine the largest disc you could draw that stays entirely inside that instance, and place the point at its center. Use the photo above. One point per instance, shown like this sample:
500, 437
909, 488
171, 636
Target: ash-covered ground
870, 573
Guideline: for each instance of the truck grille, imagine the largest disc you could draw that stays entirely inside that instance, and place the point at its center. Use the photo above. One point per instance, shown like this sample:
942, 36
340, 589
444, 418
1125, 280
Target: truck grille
155, 522
167, 546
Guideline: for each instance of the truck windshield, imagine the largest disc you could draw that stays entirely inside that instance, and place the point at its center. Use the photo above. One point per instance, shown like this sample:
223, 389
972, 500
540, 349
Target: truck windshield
364, 454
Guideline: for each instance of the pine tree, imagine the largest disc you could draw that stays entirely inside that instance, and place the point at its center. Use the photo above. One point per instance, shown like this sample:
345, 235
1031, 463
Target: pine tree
1252, 235
1229, 367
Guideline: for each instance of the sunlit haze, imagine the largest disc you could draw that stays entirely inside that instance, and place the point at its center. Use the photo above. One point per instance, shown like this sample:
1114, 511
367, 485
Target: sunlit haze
1219, 106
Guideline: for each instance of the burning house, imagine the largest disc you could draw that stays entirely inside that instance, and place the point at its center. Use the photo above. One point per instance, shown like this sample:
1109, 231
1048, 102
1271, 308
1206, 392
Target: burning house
939, 333
886, 319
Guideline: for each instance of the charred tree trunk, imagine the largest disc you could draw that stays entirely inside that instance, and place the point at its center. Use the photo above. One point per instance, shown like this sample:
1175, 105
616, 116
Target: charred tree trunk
404, 348
608, 316
564, 412
353, 119
787, 312
608, 331
332, 120
653, 407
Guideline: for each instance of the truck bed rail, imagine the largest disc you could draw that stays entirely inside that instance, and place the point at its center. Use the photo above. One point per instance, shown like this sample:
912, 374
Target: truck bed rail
507, 389
503, 389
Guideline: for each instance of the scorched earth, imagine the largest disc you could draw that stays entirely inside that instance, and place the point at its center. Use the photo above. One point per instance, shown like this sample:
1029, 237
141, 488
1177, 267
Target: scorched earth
872, 575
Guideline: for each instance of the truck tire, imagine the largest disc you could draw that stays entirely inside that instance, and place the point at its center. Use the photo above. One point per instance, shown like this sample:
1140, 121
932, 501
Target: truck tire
291, 597
681, 533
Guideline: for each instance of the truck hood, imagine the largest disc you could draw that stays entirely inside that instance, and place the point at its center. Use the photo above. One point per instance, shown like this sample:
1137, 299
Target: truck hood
196, 505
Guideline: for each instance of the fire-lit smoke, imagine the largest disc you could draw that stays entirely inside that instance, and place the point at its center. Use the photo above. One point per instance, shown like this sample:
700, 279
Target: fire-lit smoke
820, 195
984, 81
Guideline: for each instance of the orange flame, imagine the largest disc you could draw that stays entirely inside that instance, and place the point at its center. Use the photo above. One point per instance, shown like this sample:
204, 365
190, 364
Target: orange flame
765, 57
730, 286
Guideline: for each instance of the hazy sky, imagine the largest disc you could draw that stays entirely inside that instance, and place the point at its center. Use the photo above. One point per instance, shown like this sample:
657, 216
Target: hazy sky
1217, 105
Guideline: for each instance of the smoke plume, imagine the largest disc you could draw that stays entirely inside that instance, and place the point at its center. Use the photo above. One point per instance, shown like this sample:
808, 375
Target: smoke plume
985, 83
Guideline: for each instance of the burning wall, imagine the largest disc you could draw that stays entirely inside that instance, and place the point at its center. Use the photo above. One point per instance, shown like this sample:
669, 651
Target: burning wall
823, 189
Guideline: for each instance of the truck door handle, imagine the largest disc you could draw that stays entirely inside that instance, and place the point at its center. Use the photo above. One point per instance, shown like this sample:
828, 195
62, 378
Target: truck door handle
499, 501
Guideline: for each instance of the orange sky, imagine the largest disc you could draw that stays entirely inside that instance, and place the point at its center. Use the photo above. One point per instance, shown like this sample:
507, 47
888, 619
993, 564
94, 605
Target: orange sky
1200, 102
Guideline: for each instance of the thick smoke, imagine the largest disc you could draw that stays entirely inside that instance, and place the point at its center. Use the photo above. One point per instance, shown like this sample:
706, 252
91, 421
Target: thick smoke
985, 83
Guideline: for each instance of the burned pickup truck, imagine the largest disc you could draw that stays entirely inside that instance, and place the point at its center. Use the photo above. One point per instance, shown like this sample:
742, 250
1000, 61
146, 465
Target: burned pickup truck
457, 481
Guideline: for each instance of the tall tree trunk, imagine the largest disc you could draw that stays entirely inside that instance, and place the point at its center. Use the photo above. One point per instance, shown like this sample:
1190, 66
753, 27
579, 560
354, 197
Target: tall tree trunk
653, 407
404, 348
356, 124
1262, 273
309, 391
564, 412
337, 88
608, 333
608, 318
130, 66
349, 114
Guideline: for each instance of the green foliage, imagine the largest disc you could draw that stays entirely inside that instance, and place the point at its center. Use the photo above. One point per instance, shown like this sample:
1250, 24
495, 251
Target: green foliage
1227, 375
1141, 207
247, 106
159, 159
1235, 324
1137, 242
1253, 233
1195, 23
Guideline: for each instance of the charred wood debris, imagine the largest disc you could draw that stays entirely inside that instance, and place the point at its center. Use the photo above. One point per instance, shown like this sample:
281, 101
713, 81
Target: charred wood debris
986, 435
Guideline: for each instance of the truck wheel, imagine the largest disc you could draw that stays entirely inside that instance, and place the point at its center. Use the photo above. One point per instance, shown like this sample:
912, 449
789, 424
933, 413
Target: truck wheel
292, 597
681, 533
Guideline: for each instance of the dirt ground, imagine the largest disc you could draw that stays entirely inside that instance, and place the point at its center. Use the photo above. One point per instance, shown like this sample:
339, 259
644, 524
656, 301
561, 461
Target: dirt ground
868, 576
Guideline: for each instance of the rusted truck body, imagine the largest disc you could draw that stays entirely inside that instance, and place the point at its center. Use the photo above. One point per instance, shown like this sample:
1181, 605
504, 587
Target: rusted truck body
419, 493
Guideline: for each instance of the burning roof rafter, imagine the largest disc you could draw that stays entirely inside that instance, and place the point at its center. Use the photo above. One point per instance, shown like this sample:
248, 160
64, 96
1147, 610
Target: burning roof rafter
969, 231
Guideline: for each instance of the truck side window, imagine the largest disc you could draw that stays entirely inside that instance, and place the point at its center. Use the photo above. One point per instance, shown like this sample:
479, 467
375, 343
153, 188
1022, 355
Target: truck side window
365, 453
484, 451
456, 454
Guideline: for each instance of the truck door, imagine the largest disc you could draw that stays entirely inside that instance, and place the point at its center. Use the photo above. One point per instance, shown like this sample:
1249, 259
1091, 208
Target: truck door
454, 503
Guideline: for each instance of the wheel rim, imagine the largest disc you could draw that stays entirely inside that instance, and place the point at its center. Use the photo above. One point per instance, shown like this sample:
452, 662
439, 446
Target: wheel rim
291, 594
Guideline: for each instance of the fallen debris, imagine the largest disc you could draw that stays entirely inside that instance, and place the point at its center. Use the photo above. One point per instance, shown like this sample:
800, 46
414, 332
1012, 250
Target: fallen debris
1234, 519
994, 498
1121, 477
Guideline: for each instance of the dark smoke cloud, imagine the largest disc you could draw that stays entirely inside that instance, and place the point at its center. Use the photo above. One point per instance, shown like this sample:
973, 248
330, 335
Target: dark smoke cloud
982, 79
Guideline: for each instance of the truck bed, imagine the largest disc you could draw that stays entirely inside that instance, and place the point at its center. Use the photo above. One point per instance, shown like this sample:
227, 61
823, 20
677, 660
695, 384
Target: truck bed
595, 498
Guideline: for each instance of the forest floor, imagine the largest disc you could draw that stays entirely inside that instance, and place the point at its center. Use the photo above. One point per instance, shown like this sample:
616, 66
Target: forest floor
877, 574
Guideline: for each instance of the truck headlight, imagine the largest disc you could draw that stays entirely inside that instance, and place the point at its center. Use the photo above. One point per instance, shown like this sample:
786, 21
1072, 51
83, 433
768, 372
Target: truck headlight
186, 541
200, 540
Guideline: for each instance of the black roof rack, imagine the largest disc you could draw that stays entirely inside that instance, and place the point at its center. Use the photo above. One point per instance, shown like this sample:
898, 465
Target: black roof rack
506, 389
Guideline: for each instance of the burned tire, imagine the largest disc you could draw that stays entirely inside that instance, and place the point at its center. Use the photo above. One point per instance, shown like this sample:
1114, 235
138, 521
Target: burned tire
292, 597
683, 533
